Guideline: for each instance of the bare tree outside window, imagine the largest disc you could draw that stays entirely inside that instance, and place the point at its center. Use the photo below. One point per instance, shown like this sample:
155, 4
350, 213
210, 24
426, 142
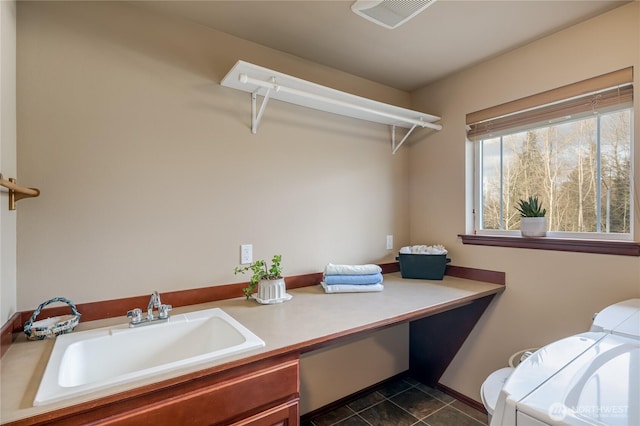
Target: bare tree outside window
580, 169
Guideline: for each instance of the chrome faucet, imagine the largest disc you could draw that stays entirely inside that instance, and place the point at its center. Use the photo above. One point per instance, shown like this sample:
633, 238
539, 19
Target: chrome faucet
154, 302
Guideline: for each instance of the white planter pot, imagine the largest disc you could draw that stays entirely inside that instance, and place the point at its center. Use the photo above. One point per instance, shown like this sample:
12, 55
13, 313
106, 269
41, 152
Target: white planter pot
272, 291
533, 226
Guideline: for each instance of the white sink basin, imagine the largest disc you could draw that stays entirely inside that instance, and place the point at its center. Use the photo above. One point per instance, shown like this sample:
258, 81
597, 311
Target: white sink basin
97, 359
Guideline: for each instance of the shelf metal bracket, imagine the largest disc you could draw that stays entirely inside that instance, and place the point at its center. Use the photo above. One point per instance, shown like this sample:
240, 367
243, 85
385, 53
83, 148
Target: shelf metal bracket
395, 147
257, 116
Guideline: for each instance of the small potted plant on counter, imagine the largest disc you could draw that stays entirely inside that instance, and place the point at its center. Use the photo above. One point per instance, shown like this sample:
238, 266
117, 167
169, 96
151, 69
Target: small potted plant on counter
268, 279
533, 222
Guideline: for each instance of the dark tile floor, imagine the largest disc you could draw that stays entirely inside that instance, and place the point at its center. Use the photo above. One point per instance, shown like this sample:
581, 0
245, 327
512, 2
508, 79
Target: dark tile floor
402, 402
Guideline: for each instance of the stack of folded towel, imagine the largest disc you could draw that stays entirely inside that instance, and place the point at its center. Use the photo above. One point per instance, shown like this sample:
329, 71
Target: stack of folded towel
352, 278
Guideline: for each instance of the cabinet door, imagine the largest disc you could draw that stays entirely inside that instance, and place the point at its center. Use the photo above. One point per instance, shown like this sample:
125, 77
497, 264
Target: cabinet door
222, 402
283, 415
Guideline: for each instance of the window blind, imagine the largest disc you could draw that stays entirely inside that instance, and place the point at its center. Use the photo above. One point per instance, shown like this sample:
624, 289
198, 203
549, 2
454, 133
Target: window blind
596, 95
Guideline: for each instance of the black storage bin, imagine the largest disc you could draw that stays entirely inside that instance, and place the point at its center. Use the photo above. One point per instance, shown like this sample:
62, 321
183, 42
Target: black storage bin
423, 266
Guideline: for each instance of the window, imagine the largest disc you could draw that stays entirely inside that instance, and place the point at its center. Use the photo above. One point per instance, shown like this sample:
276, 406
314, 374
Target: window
573, 151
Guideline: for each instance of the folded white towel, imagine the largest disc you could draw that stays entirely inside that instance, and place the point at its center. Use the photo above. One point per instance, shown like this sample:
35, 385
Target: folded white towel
348, 288
423, 249
332, 269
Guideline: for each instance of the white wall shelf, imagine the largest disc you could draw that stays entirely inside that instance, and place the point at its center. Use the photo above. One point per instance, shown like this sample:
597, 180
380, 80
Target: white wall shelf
271, 84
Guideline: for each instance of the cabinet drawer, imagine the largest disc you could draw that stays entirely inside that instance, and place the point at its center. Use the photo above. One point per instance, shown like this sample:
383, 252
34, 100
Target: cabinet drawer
283, 415
235, 398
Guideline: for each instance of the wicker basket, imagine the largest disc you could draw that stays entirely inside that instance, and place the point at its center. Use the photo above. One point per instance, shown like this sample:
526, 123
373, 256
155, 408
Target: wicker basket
51, 327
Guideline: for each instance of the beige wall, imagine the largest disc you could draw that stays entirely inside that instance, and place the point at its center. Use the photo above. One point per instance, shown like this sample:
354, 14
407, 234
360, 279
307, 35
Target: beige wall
150, 176
549, 294
8, 287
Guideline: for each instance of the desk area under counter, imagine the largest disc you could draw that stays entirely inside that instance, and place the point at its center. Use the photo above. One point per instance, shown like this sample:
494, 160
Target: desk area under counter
311, 321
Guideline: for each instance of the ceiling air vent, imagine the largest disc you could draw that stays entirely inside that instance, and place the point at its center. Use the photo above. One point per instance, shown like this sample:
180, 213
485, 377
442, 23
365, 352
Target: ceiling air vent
390, 13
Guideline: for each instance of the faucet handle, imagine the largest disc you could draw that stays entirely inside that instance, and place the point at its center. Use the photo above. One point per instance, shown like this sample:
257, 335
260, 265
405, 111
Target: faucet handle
163, 311
135, 315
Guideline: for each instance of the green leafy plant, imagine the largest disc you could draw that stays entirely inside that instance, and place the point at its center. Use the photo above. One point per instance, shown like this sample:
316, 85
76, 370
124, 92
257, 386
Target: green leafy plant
261, 271
531, 208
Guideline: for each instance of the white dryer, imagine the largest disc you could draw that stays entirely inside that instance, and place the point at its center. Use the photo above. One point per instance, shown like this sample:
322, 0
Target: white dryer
591, 378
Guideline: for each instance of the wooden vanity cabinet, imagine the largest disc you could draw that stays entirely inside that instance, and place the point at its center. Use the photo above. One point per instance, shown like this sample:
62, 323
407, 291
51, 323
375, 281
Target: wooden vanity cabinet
265, 393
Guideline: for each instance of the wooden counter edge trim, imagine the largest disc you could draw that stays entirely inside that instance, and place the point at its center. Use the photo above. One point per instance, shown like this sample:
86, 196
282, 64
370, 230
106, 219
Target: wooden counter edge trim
118, 307
6, 333
319, 343
484, 275
284, 353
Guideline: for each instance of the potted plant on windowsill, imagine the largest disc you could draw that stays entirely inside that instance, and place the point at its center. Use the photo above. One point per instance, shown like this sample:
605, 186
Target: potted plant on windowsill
533, 222
268, 279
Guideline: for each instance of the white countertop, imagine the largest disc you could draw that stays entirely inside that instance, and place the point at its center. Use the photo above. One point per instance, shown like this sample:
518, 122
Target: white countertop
311, 318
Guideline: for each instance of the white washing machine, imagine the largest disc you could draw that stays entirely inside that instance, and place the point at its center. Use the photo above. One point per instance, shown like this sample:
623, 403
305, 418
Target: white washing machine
591, 378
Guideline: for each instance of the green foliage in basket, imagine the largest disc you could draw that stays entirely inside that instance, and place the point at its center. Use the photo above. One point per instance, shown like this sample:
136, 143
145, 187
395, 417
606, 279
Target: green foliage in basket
261, 271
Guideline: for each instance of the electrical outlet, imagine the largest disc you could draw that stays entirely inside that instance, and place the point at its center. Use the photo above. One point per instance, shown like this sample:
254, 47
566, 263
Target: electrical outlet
246, 254
389, 242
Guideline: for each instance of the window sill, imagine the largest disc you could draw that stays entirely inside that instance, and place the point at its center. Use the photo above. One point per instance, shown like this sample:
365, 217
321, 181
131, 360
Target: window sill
620, 248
